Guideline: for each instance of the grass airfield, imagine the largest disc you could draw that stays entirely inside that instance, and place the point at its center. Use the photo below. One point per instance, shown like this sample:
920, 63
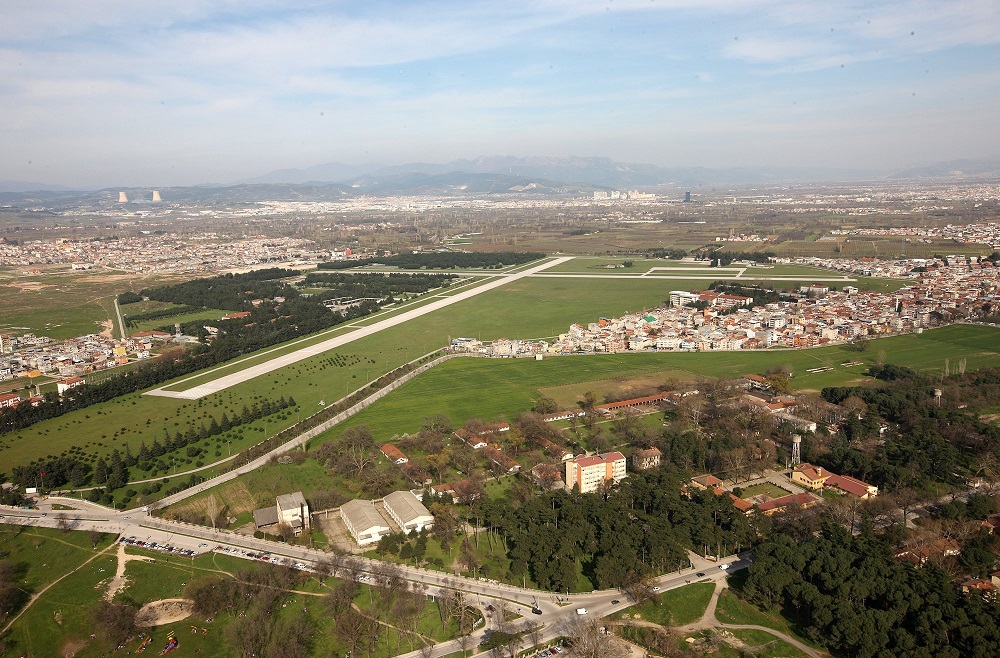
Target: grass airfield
535, 307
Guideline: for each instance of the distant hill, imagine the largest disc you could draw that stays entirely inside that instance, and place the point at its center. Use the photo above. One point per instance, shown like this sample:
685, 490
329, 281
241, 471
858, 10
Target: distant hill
493, 174
595, 171
463, 183
28, 186
954, 169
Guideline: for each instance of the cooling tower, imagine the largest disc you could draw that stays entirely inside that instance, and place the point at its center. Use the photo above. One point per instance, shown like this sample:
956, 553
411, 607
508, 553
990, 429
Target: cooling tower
122, 198
156, 195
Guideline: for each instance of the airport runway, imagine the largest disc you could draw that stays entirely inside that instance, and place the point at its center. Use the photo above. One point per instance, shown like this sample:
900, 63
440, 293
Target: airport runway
279, 362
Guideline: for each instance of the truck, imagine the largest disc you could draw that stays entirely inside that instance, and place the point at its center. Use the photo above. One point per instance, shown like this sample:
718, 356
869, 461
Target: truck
581, 611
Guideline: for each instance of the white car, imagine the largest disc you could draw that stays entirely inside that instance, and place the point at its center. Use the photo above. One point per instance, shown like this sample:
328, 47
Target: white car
723, 566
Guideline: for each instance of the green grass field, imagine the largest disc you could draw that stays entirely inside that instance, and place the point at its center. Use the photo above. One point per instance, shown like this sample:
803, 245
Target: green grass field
676, 607
765, 488
495, 389
528, 308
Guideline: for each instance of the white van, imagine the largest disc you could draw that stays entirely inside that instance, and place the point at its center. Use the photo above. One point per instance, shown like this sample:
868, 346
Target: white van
581, 611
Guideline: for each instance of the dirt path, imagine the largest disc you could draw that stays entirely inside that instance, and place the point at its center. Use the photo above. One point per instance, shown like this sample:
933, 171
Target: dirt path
708, 621
118, 582
34, 597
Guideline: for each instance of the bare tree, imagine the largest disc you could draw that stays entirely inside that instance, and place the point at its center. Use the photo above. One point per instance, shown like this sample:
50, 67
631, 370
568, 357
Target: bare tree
590, 641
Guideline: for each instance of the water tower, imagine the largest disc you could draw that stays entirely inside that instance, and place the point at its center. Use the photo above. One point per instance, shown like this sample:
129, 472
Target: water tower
796, 449
937, 396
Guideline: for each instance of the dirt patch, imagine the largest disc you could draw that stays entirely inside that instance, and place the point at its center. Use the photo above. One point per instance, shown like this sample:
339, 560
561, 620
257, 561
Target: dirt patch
117, 583
70, 648
235, 498
106, 327
26, 286
567, 395
166, 611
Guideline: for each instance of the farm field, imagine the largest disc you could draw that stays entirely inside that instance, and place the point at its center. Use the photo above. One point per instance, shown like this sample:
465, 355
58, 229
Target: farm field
61, 303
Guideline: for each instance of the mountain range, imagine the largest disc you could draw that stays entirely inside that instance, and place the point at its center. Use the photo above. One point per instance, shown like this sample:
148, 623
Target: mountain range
493, 175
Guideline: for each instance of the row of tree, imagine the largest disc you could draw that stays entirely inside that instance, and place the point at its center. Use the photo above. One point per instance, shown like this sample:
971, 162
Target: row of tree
376, 284
441, 260
56, 471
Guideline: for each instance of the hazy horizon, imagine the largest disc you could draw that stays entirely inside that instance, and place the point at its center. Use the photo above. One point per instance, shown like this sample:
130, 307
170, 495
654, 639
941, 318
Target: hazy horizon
185, 92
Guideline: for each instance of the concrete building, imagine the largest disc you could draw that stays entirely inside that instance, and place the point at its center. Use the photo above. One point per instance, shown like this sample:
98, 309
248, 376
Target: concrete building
66, 384
407, 511
363, 521
290, 509
594, 473
643, 460
293, 511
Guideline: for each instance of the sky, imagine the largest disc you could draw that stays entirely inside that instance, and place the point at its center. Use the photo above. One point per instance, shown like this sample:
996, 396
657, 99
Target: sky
178, 92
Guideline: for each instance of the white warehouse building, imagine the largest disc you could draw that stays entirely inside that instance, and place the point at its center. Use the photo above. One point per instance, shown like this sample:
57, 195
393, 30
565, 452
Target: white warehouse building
407, 511
363, 521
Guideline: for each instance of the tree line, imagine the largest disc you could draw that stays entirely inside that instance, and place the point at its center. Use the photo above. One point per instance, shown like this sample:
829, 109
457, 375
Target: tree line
440, 260
376, 284
53, 471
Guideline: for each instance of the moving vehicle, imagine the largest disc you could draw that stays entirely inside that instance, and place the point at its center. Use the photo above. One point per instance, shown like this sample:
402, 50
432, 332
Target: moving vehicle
581, 611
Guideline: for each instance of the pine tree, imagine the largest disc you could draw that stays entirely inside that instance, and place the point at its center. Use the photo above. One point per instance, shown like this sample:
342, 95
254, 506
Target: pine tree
100, 471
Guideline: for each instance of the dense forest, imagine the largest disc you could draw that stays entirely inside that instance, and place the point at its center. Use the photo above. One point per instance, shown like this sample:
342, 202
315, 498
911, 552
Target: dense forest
853, 597
441, 260
231, 292
375, 284
927, 442
641, 527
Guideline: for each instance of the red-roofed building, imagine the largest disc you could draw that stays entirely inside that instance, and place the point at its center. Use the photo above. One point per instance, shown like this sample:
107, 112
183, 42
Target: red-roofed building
236, 316
804, 499
643, 460
595, 472
66, 384
848, 485
809, 476
394, 454
705, 482
9, 400
501, 461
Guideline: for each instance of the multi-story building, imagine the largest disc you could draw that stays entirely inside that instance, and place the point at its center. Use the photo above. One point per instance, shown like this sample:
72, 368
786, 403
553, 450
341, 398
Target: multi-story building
594, 473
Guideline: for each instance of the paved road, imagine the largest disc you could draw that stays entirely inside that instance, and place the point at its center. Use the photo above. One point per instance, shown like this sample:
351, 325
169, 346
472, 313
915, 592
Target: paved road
556, 610
284, 360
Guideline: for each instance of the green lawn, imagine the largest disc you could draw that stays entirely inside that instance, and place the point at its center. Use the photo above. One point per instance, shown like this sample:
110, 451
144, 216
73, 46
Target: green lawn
733, 610
764, 488
491, 389
675, 607
759, 643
